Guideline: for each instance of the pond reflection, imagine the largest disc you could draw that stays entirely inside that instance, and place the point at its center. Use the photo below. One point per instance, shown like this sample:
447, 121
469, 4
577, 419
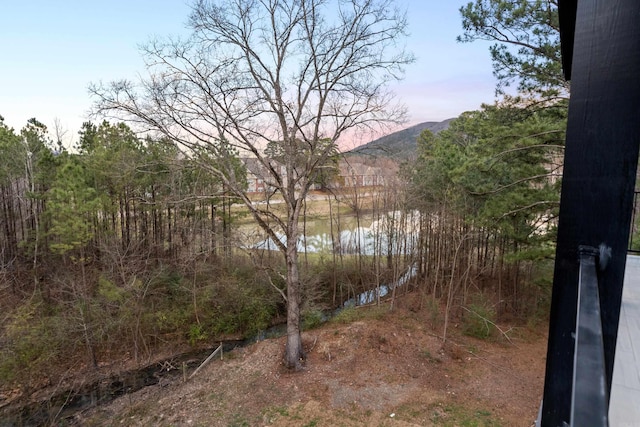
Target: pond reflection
393, 233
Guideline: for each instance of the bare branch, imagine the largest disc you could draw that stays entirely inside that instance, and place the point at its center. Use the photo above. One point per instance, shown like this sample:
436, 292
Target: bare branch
276, 81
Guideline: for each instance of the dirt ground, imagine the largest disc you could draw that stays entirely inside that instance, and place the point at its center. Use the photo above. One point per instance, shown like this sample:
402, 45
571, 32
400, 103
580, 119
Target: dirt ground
382, 369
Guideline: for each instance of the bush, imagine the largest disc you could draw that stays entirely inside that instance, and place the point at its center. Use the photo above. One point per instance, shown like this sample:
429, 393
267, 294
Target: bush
196, 334
352, 314
312, 319
479, 319
239, 301
33, 343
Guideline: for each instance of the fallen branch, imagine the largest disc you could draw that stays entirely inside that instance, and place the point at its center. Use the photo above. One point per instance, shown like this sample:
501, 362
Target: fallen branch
315, 340
504, 333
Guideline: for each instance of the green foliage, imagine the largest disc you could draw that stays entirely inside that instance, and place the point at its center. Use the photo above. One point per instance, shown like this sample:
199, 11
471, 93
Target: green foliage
351, 314
232, 299
526, 48
33, 342
272, 413
452, 415
169, 282
43, 160
536, 308
498, 167
12, 152
109, 291
432, 308
479, 318
245, 312
312, 319
347, 315
71, 205
222, 157
29, 164
239, 420
114, 158
635, 240
196, 334
169, 320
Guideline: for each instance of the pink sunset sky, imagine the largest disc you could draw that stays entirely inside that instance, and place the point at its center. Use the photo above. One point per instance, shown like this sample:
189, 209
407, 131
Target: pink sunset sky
53, 50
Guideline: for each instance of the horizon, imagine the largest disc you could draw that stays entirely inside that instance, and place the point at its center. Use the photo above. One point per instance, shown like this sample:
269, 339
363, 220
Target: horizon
57, 50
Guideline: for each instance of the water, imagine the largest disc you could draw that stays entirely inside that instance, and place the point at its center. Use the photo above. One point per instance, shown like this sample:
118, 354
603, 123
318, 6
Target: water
372, 295
395, 233
62, 407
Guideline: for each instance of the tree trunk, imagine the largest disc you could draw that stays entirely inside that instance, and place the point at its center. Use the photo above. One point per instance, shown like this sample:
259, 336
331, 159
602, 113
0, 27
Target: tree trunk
214, 242
334, 247
294, 354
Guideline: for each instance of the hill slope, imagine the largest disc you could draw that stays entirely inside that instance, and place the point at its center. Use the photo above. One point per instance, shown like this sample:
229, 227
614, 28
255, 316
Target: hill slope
381, 368
399, 145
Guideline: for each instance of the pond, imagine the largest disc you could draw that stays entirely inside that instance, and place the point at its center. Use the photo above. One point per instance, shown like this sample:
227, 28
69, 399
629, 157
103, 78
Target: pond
393, 232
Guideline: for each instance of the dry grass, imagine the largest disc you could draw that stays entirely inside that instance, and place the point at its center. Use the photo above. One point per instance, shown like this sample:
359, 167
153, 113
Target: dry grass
376, 370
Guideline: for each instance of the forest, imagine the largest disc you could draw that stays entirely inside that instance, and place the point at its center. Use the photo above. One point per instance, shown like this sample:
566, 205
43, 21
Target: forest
133, 243
120, 245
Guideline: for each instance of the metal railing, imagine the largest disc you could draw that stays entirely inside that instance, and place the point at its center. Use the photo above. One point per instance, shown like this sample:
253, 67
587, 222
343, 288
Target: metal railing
634, 237
590, 396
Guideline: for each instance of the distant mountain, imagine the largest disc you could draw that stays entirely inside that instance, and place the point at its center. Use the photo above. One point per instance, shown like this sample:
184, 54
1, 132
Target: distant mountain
399, 145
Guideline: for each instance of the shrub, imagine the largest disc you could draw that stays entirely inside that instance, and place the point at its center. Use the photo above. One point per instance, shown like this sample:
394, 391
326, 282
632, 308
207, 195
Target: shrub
196, 334
312, 319
352, 314
238, 301
479, 319
33, 343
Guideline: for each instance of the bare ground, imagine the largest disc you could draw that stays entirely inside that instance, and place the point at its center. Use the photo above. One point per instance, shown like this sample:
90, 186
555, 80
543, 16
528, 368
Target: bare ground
384, 369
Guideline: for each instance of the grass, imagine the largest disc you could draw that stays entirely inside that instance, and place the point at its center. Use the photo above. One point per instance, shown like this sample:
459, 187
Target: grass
430, 357
239, 421
460, 416
353, 314
312, 319
277, 410
412, 411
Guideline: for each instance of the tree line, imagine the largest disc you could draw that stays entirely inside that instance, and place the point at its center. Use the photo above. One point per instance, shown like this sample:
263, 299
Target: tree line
125, 241
113, 190
489, 189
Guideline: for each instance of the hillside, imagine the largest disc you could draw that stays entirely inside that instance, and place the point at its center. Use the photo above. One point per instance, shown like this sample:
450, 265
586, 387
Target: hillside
399, 145
373, 368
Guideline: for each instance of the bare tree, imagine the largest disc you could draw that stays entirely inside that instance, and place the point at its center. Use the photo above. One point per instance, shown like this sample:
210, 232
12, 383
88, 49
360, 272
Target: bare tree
59, 133
289, 75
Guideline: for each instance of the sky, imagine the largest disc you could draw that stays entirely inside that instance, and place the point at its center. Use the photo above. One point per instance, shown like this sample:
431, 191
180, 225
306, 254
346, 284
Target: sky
53, 49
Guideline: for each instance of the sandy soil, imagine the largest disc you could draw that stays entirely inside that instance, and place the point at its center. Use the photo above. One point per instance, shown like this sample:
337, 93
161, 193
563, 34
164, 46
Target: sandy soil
384, 369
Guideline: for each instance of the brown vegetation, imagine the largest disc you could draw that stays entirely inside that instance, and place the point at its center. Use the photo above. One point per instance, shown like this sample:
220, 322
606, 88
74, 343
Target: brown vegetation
368, 367
107, 268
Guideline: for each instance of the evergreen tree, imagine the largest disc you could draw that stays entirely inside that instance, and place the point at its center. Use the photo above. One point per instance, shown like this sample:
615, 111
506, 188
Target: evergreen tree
507, 162
72, 205
12, 166
526, 43
489, 191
